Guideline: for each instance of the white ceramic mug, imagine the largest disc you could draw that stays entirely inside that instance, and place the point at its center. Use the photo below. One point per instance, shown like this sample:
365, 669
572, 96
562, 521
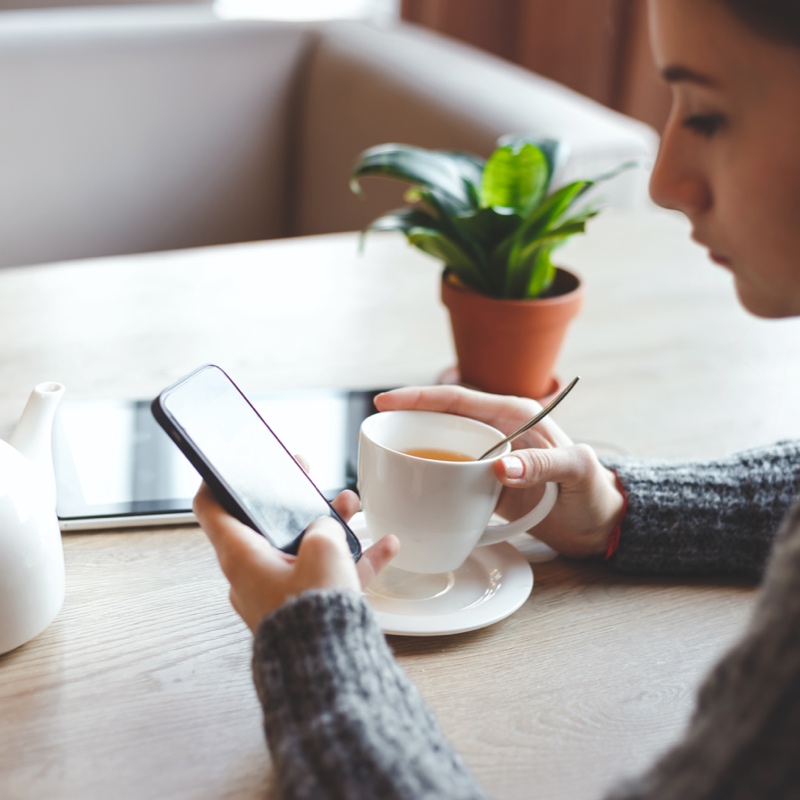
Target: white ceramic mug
439, 510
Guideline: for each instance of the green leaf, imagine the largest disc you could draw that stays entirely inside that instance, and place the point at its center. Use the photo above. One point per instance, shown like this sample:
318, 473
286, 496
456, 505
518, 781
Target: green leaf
573, 225
612, 173
534, 273
427, 233
556, 152
447, 214
519, 250
487, 226
525, 277
557, 204
436, 244
437, 171
540, 273
444, 181
515, 177
549, 212
471, 169
482, 229
403, 219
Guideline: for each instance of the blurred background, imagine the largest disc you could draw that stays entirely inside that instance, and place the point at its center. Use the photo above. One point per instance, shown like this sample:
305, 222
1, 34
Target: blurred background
597, 47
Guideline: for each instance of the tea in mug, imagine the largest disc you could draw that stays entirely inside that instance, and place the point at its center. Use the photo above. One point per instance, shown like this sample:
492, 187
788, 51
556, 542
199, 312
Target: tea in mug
438, 455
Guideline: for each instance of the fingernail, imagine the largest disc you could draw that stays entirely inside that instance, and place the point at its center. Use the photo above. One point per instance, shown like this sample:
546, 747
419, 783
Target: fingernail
512, 466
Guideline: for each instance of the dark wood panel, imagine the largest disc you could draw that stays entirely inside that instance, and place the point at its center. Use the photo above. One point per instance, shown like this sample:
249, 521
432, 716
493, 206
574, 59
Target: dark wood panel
597, 47
575, 42
486, 24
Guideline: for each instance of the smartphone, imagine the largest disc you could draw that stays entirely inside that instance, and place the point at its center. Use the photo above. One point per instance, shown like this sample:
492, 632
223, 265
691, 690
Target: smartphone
250, 471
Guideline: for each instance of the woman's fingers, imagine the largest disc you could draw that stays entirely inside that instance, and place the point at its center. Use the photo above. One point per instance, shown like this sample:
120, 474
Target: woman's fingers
589, 504
325, 546
220, 527
505, 413
303, 462
346, 504
235, 543
375, 558
262, 577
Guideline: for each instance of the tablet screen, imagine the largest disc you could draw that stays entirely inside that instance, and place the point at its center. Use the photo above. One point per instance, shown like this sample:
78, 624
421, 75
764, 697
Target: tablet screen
116, 468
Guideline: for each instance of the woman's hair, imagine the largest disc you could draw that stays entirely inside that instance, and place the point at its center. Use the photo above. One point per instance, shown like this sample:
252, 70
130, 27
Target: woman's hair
775, 19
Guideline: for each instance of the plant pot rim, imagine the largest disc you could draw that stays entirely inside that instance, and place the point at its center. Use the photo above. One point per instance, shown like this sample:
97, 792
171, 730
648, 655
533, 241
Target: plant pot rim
450, 282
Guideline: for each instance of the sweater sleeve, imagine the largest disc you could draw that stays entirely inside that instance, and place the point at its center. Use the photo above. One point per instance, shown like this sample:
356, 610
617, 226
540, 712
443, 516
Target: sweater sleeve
342, 719
744, 738
718, 517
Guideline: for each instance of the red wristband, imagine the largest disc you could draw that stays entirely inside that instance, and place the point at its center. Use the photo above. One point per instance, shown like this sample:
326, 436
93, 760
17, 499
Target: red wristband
613, 539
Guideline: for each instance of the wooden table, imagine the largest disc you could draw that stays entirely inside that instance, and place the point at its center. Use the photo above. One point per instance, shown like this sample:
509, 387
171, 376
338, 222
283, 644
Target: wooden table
141, 688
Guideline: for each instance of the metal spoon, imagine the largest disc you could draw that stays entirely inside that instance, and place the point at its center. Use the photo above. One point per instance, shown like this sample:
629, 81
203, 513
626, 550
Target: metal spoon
533, 420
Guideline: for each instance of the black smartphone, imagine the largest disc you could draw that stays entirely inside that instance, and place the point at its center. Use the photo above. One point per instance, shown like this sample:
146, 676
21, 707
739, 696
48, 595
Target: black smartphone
250, 471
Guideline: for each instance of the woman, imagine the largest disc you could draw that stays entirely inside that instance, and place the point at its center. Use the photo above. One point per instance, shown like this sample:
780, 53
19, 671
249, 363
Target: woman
342, 719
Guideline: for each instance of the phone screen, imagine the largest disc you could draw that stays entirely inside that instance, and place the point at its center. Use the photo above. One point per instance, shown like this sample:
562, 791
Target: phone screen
232, 441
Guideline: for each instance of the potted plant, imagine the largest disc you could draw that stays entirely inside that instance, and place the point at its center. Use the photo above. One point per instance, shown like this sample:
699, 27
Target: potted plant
494, 224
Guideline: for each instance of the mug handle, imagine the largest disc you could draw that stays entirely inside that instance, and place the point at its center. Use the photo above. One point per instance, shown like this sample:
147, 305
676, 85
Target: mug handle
499, 533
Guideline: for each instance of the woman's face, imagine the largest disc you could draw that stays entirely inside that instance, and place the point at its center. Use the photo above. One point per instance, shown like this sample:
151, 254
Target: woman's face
730, 152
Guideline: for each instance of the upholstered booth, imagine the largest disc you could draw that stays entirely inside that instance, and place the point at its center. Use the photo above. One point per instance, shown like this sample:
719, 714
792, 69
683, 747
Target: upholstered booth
129, 129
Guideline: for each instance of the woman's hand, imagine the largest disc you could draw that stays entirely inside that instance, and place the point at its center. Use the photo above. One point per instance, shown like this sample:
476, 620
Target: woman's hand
589, 505
262, 577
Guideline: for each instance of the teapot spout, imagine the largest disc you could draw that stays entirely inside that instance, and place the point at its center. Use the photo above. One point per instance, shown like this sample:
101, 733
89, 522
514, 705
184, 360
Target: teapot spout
33, 434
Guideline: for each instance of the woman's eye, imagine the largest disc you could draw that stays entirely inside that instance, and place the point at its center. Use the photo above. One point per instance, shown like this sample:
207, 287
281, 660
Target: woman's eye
704, 124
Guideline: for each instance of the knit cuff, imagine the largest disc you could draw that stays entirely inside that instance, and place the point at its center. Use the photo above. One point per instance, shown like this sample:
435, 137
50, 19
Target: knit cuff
314, 642
613, 539
717, 517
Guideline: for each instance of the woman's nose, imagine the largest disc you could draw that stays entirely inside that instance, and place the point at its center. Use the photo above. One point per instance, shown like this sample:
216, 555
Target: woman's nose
678, 180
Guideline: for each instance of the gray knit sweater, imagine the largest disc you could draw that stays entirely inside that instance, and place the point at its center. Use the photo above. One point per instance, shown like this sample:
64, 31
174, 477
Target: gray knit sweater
343, 721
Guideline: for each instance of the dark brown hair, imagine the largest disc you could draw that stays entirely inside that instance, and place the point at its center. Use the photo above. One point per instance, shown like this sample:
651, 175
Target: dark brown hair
775, 19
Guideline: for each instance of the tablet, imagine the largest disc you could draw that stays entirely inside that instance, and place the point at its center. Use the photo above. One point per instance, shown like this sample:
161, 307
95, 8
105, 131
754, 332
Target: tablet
116, 468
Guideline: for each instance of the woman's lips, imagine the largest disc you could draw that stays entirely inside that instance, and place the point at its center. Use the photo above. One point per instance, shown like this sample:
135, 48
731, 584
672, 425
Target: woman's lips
718, 259
715, 257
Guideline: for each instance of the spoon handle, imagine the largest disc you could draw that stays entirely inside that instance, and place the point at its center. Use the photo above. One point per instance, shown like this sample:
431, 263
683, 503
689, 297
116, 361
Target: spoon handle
533, 420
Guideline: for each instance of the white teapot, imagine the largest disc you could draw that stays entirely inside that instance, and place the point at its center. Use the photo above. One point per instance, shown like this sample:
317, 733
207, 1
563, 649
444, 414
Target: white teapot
31, 554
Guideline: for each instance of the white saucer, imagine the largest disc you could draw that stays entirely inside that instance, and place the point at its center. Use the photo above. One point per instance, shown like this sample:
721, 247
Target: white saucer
489, 586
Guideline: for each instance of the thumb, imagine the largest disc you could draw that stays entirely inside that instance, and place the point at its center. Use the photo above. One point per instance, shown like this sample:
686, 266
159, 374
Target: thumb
326, 537
526, 468
324, 557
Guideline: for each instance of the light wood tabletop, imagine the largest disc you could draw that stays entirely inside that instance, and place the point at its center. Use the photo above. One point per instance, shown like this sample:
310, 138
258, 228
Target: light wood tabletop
141, 688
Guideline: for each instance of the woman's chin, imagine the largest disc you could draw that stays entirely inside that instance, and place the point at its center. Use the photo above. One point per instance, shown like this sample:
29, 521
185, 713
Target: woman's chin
768, 306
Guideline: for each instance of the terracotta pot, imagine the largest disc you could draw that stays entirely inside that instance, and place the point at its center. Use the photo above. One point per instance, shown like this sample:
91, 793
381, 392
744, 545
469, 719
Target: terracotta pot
511, 346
